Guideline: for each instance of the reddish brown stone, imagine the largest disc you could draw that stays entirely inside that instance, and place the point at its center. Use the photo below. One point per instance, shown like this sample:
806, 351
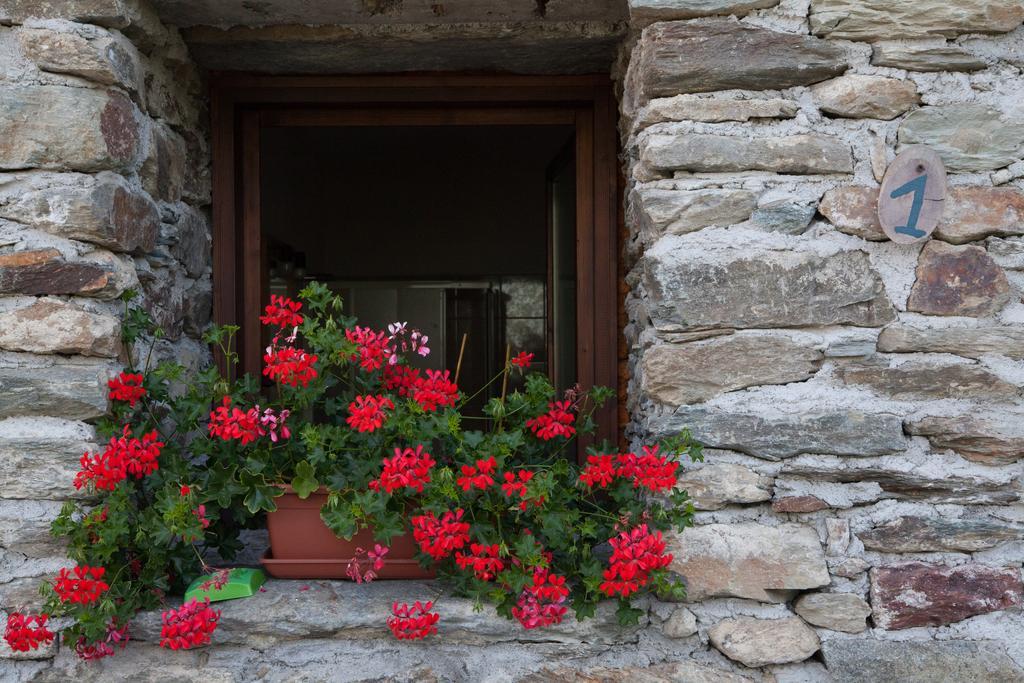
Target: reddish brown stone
920, 594
798, 504
119, 127
45, 272
958, 280
132, 217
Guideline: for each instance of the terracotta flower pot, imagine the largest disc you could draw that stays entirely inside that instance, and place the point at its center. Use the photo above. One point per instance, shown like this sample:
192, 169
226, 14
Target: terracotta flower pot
303, 547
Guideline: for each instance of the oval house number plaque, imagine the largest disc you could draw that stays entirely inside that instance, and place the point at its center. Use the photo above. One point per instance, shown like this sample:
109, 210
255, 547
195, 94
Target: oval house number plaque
913, 195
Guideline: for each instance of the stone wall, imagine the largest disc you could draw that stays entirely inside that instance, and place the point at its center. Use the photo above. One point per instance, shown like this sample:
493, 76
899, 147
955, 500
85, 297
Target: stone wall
860, 505
103, 187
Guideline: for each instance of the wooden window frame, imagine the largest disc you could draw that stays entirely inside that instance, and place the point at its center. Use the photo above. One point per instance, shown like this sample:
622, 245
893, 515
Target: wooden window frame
242, 103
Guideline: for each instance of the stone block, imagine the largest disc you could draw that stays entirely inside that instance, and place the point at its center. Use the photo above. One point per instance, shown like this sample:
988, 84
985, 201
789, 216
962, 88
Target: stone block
968, 137
787, 215
957, 280
682, 624
990, 439
873, 20
1007, 253
866, 97
974, 213
703, 153
716, 485
920, 594
862, 660
676, 212
61, 128
761, 642
789, 504
900, 55
748, 560
835, 611
72, 388
776, 437
714, 54
677, 374
708, 110
164, 169
40, 272
39, 457
646, 11
192, 243
929, 380
25, 527
853, 209
934, 477
50, 325
697, 288
103, 209
82, 50
110, 13
914, 534
686, 671
970, 342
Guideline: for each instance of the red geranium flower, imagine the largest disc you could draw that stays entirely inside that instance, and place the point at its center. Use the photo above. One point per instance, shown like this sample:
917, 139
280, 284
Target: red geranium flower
126, 387
557, 421
413, 623
366, 413
650, 470
26, 632
374, 348
541, 604
289, 366
482, 559
435, 390
229, 423
408, 468
600, 471
477, 477
189, 626
84, 585
439, 537
401, 378
635, 554
122, 456
522, 360
185, 490
282, 312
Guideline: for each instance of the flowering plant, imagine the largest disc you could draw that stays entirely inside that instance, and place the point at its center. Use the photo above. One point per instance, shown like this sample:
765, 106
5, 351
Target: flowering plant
495, 507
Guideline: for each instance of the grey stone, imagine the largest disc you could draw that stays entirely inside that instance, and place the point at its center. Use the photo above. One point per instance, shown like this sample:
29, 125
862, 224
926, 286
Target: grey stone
853, 209
705, 55
1007, 253
913, 534
39, 457
970, 342
79, 129
163, 171
192, 244
82, 50
879, 19
837, 536
716, 485
787, 215
991, 439
677, 374
675, 672
72, 388
49, 325
668, 10
760, 642
935, 479
850, 568
835, 611
974, 213
851, 347
924, 380
109, 13
968, 137
925, 58
869, 661
713, 110
103, 209
25, 527
749, 288
846, 432
748, 560
676, 212
682, 623
958, 280
869, 97
702, 153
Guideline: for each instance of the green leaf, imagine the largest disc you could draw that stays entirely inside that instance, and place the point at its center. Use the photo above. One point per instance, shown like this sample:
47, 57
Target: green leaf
304, 482
626, 614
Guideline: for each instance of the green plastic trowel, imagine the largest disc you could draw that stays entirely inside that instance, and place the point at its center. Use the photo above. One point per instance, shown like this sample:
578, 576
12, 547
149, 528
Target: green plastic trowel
242, 582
